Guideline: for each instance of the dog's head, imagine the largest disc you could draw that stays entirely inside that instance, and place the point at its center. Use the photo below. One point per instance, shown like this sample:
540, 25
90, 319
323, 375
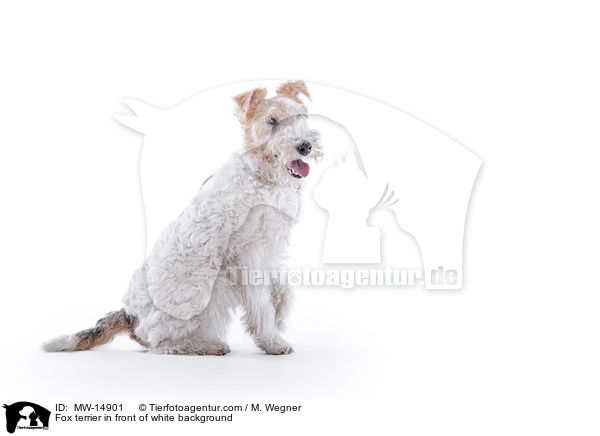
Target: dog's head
276, 130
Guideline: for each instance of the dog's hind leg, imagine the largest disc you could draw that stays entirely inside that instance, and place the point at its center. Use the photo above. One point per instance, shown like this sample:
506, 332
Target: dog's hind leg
213, 347
203, 334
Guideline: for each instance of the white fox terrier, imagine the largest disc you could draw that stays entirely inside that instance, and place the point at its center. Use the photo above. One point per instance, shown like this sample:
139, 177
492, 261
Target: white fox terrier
179, 301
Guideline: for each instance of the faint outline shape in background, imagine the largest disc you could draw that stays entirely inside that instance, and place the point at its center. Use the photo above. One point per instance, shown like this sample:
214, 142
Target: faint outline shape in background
432, 174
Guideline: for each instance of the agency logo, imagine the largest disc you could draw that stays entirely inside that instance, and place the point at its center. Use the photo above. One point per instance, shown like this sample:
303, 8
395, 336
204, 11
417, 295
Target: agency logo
391, 194
26, 415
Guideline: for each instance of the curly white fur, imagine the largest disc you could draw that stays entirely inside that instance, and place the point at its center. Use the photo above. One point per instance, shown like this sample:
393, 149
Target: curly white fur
179, 301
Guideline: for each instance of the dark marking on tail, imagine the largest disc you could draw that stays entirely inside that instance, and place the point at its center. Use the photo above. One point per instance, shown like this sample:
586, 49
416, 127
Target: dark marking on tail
105, 330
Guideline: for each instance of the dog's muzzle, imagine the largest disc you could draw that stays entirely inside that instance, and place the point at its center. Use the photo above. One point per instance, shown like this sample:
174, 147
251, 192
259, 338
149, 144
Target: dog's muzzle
304, 148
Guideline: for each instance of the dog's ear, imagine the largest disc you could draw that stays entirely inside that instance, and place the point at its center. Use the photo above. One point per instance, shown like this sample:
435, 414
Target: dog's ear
247, 102
293, 89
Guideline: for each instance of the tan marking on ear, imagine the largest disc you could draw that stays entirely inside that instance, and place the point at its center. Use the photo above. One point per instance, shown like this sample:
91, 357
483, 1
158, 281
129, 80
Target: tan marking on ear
292, 89
247, 102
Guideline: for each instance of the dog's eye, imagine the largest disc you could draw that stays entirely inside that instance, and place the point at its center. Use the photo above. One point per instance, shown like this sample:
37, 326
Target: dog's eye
272, 121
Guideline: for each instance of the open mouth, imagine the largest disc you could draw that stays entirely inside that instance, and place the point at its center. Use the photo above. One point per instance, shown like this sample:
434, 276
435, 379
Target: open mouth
298, 168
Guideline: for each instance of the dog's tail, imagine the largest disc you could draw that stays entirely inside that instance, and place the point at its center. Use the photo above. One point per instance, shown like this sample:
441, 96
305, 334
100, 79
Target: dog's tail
105, 330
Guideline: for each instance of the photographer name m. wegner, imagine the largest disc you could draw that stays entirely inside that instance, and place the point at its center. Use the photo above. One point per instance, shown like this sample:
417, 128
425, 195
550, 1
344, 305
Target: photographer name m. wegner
344, 278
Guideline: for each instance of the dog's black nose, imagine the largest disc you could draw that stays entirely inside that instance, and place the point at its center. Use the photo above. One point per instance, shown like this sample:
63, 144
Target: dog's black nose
304, 148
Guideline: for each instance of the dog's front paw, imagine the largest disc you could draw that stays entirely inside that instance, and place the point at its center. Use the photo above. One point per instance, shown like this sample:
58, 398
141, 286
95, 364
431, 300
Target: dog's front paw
276, 347
283, 349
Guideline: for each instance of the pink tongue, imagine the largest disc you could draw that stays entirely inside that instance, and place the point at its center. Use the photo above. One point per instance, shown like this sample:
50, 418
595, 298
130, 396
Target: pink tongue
301, 167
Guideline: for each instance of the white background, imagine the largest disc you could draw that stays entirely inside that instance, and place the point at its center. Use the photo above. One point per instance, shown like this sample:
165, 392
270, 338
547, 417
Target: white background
514, 352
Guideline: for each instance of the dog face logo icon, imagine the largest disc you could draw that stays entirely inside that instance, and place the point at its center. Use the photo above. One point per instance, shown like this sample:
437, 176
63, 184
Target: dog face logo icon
26, 415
